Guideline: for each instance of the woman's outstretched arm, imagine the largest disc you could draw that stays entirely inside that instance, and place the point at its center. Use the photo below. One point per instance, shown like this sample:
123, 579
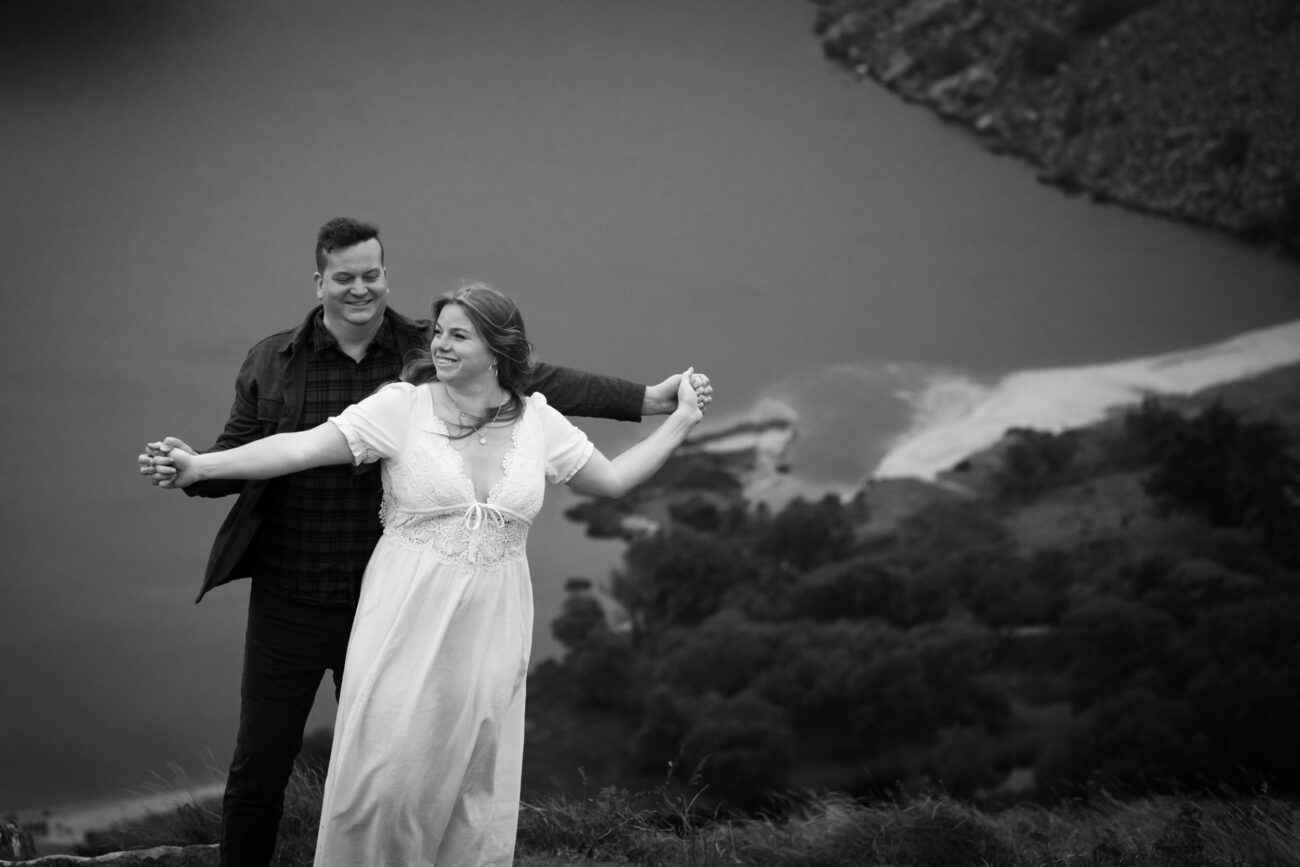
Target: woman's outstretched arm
266, 458
604, 477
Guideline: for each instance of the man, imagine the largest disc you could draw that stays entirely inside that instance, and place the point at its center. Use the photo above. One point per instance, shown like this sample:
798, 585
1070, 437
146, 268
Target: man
305, 539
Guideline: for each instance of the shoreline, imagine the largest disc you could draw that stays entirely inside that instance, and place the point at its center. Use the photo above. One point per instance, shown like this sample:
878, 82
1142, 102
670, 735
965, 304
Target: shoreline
1184, 111
1066, 398
58, 830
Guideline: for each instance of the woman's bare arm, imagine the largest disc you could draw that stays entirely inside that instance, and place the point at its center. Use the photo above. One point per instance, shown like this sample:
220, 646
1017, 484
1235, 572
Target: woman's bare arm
605, 477
266, 458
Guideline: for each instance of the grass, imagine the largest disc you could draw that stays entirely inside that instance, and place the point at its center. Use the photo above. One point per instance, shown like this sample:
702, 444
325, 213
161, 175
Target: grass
667, 828
199, 823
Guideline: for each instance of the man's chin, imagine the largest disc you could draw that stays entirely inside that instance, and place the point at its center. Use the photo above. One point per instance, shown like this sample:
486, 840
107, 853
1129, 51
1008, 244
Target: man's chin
362, 315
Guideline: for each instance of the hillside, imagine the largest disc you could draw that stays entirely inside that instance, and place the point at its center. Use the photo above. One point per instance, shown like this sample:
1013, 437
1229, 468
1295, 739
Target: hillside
1094, 502
1189, 109
1057, 606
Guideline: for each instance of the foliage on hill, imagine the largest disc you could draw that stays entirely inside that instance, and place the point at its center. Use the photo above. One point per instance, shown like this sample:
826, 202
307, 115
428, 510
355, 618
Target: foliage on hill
1185, 108
806, 647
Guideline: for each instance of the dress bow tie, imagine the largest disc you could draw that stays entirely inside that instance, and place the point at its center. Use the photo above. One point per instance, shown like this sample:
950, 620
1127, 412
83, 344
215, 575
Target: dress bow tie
475, 514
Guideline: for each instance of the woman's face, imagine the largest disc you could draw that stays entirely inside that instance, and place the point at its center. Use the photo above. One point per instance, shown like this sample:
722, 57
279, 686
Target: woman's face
460, 353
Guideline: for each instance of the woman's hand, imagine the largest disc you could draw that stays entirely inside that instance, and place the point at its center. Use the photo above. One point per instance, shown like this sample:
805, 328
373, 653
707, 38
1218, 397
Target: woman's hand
703, 389
603, 477
694, 393
174, 464
661, 399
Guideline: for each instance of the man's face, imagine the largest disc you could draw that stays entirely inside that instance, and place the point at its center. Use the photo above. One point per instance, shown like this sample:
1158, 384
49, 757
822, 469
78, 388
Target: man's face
354, 287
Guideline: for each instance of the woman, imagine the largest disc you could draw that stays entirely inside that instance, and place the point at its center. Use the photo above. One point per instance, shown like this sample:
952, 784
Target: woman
428, 742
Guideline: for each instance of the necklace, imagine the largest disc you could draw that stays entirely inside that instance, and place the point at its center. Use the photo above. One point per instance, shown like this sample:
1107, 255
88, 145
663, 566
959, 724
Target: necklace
461, 415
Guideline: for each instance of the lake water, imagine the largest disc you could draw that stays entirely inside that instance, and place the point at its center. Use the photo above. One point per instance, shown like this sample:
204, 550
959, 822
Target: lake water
659, 184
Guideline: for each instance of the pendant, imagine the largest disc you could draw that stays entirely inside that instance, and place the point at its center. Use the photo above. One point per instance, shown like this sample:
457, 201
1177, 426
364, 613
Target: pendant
482, 439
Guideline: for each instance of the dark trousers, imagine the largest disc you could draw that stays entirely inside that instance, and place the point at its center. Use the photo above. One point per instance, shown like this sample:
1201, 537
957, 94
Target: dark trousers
288, 646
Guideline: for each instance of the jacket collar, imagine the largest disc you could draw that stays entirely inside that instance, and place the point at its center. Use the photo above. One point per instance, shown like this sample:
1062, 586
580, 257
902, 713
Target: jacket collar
405, 330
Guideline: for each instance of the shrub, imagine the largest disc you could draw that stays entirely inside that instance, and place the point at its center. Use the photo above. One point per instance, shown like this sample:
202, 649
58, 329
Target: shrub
579, 619
677, 579
1287, 224
698, 513
1073, 123
805, 534
861, 679
722, 655
665, 719
743, 745
1044, 52
600, 671
1233, 148
1225, 471
942, 61
1110, 640
963, 759
1034, 460
856, 589
1097, 16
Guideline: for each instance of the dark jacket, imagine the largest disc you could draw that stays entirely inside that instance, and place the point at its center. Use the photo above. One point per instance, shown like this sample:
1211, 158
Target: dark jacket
269, 400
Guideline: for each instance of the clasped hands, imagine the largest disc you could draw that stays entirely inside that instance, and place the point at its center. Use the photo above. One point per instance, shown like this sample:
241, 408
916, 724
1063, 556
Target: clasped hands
157, 464
662, 399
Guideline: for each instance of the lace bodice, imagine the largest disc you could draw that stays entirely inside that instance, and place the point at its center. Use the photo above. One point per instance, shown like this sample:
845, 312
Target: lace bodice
429, 500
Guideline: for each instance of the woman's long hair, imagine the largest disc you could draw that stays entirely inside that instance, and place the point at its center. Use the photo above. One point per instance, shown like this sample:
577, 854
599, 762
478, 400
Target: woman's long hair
501, 326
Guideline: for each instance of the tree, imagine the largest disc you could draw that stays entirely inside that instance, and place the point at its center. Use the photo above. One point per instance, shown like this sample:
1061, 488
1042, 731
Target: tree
856, 589
890, 704
861, 681
1246, 713
1189, 588
665, 719
926, 597
744, 746
1097, 16
722, 655
1222, 470
1047, 584
948, 529
1033, 460
807, 534
1133, 738
579, 617
1245, 659
954, 655
677, 578
600, 671
697, 512
963, 760
1111, 641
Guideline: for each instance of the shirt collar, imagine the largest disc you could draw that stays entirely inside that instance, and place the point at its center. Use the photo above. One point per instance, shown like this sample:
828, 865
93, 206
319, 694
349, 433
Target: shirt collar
321, 339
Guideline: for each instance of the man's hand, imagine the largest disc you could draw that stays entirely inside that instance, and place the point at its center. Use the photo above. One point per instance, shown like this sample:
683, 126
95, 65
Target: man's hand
661, 399
690, 405
152, 465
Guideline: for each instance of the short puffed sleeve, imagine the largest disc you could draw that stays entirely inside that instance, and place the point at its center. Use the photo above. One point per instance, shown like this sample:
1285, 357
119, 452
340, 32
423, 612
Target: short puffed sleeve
376, 427
567, 447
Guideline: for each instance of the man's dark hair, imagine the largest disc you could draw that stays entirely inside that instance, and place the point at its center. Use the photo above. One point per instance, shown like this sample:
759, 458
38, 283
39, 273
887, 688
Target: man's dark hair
341, 233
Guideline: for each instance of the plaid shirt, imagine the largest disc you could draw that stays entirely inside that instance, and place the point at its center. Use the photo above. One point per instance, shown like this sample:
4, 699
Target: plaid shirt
320, 526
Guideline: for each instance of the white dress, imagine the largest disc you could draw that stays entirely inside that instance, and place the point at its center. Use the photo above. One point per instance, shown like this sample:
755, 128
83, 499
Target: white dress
428, 742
